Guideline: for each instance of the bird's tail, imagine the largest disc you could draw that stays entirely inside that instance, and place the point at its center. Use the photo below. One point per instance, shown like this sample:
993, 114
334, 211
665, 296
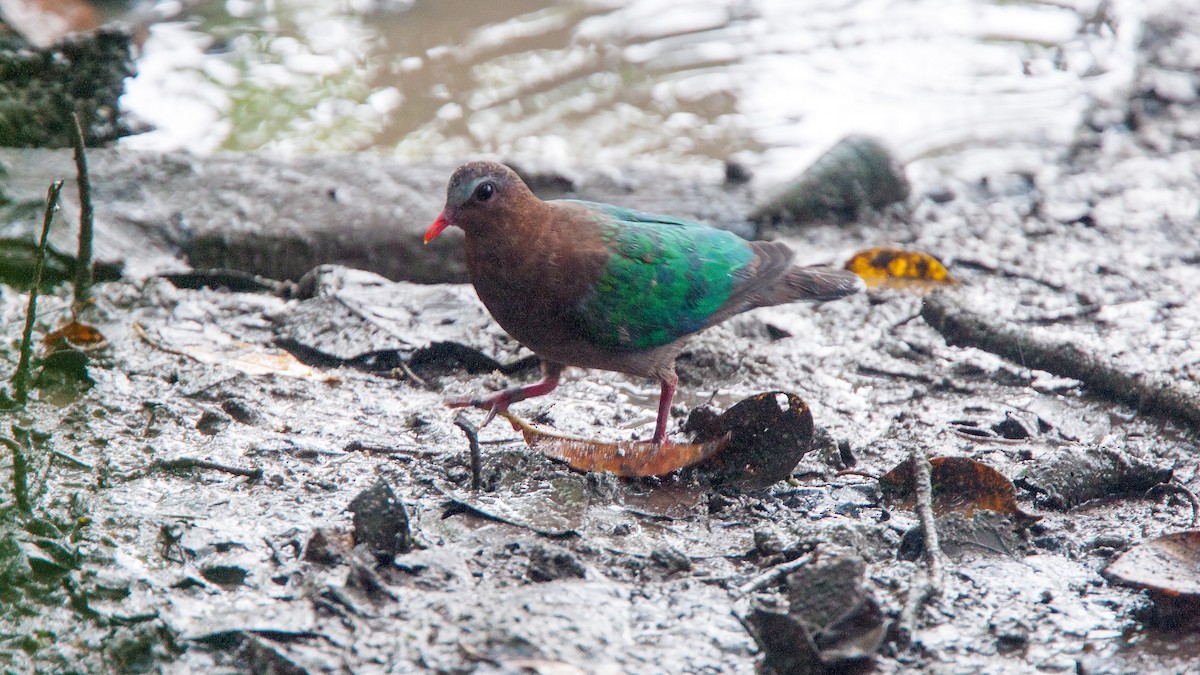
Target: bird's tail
817, 283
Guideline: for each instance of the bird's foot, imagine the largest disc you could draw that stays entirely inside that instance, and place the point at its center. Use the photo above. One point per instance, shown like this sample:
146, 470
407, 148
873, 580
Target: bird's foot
494, 404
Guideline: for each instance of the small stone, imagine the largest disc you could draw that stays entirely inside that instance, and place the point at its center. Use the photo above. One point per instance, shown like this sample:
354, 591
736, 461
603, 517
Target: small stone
380, 522
547, 563
213, 422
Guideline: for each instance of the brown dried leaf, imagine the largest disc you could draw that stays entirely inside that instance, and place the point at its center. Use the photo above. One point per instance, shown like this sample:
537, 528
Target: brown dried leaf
74, 333
1169, 564
624, 458
898, 268
959, 484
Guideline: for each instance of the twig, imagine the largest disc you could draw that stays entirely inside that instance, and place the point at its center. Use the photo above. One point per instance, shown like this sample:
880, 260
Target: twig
927, 583
20, 473
774, 573
923, 489
193, 463
454, 505
73, 460
21, 377
1176, 488
472, 433
83, 261
1147, 393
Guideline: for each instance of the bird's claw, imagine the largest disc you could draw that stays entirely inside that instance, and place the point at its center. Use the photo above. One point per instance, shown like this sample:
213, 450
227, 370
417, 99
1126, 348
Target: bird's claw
494, 405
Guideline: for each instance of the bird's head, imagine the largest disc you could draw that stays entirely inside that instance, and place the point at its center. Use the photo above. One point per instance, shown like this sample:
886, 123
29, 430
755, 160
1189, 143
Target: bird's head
481, 194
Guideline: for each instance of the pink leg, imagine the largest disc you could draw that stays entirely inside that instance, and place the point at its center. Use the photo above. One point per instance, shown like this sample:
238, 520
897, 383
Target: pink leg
499, 401
664, 409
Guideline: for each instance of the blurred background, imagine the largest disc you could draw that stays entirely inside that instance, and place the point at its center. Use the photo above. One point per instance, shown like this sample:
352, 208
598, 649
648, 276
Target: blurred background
769, 84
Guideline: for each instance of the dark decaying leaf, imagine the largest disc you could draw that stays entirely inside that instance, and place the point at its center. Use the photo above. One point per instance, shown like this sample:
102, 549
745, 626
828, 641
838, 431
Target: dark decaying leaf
960, 534
1070, 476
768, 435
833, 623
1169, 568
785, 642
898, 268
959, 484
624, 458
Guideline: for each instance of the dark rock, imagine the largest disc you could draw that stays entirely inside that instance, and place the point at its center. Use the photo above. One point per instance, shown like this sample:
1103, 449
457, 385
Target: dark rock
227, 576
858, 174
547, 563
322, 550
380, 522
213, 422
671, 559
241, 410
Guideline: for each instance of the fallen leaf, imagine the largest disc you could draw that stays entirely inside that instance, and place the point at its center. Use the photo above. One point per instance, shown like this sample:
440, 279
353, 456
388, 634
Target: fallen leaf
1169, 564
623, 458
74, 333
1071, 475
959, 484
767, 434
891, 267
1168, 567
223, 350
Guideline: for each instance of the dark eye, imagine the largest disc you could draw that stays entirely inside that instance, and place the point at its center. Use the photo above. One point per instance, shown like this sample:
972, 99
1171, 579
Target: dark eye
485, 191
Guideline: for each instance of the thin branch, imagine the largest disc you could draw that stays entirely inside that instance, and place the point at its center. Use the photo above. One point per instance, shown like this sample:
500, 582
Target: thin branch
83, 261
192, 463
20, 473
1147, 392
21, 377
927, 583
769, 577
472, 432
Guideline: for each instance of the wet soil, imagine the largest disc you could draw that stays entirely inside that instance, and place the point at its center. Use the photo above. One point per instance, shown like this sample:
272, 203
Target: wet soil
201, 505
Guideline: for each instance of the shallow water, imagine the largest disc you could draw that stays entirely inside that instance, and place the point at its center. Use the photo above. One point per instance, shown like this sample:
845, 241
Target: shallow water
771, 83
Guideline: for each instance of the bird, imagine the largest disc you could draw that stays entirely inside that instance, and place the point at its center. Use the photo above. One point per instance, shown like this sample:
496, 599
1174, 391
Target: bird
593, 285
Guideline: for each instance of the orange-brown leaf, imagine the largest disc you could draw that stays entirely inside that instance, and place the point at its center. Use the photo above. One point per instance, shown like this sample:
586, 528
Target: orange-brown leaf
959, 484
898, 268
623, 458
75, 333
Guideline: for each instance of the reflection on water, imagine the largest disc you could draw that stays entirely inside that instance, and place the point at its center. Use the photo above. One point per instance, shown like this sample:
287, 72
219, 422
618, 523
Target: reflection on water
772, 82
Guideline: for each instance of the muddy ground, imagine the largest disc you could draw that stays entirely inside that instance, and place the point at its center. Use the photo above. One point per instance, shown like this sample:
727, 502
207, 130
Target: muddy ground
138, 559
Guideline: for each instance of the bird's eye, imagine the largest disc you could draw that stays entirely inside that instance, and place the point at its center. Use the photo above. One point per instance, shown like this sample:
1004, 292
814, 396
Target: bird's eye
485, 191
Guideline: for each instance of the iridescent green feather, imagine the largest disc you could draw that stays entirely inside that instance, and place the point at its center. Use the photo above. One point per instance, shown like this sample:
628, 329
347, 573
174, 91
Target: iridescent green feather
665, 278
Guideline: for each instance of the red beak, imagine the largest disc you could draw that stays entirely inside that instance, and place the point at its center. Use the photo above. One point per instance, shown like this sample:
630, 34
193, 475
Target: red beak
436, 228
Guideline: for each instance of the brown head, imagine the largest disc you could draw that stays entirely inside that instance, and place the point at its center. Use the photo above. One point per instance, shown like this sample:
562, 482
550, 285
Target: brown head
482, 196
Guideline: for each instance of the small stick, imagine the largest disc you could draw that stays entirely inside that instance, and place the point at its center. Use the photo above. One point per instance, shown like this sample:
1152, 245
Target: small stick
83, 261
774, 573
472, 433
20, 473
21, 377
73, 460
923, 489
927, 583
1179, 489
1150, 393
193, 463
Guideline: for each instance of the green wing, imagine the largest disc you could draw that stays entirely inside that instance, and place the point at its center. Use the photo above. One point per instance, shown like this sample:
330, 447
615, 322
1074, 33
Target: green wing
664, 279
